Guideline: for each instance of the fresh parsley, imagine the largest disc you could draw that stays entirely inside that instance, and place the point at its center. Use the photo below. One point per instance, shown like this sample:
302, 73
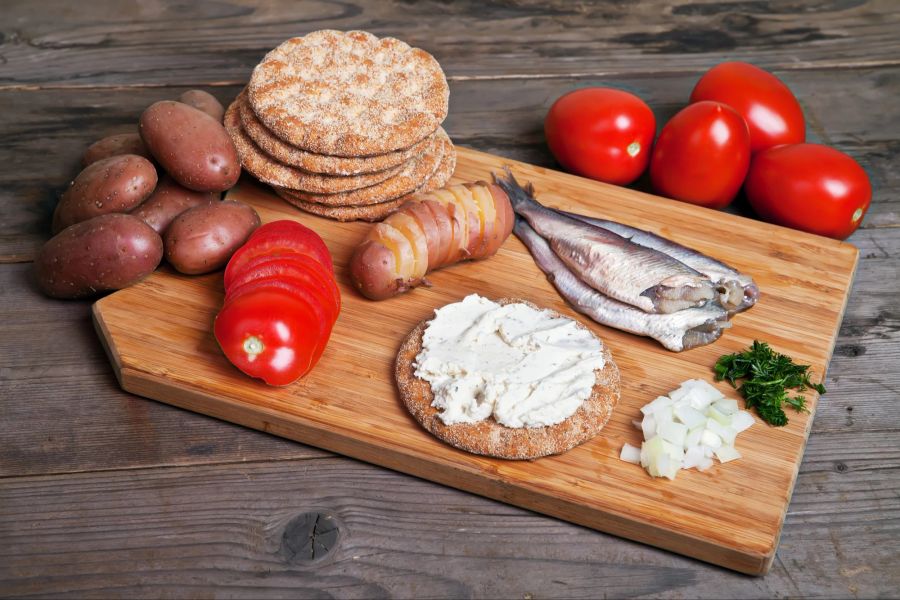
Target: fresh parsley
767, 377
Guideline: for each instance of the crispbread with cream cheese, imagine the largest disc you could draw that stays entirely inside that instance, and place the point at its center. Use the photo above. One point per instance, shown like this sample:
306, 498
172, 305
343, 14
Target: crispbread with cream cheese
349, 93
318, 163
488, 437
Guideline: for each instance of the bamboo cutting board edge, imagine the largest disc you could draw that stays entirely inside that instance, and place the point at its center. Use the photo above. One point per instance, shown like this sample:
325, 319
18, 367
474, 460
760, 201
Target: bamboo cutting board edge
753, 557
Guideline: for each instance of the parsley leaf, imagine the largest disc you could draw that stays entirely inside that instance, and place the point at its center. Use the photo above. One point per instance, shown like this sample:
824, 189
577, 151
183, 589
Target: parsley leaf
767, 377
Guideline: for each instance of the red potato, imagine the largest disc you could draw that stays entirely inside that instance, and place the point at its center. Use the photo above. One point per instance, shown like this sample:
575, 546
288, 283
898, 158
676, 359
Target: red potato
191, 146
205, 102
108, 252
169, 200
202, 239
114, 145
432, 230
115, 184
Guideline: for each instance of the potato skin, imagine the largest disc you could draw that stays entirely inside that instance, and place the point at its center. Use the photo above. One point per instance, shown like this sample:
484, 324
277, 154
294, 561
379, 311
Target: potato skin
371, 268
203, 238
204, 101
191, 146
108, 252
169, 200
115, 184
114, 145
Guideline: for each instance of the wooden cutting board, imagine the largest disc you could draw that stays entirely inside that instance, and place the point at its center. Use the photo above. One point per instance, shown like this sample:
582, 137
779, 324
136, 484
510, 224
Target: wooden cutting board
158, 335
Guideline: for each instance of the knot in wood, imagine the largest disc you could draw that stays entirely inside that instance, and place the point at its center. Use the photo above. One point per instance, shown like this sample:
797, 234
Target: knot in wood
309, 537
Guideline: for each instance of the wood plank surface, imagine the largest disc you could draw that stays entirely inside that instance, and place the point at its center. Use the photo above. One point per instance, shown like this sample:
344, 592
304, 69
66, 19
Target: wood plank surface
158, 339
207, 42
225, 531
74, 72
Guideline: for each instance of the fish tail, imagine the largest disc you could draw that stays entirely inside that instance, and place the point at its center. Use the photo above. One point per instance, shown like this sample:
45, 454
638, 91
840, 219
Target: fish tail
519, 196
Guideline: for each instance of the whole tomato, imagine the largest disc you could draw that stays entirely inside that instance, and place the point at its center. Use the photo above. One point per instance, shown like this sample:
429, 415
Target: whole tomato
809, 187
601, 133
270, 334
772, 112
702, 155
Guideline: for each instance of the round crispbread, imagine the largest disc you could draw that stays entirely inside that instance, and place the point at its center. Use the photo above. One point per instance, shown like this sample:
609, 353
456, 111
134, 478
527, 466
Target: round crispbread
268, 170
349, 93
318, 163
490, 438
374, 212
440, 155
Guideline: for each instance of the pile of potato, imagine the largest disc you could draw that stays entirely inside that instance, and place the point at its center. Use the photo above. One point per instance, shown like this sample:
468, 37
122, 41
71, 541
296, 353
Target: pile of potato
118, 218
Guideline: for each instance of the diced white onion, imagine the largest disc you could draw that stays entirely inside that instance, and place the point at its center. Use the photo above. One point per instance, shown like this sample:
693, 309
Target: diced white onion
648, 427
742, 420
686, 429
727, 453
660, 402
727, 406
631, 454
672, 432
691, 417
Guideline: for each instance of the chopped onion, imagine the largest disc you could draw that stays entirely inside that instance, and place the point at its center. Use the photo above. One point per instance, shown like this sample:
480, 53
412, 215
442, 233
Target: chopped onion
631, 454
686, 429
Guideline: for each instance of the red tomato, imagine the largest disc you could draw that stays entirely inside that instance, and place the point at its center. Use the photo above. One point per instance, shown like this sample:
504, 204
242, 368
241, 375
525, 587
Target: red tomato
269, 265
809, 187
275, 237
269, 334
601, 133
294, 275
772, 112
702, 155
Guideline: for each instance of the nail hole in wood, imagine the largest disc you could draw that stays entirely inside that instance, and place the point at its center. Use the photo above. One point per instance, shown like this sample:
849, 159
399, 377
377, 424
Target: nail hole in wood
309, 537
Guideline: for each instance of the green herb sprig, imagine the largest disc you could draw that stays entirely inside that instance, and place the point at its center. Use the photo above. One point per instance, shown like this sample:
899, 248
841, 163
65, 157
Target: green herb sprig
767, 376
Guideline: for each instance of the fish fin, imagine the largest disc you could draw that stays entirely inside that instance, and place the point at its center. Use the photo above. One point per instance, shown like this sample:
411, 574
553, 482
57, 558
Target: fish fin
517, 194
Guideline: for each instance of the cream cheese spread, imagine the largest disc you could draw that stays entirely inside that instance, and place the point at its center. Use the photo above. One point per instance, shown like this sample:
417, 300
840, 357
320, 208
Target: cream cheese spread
522, 366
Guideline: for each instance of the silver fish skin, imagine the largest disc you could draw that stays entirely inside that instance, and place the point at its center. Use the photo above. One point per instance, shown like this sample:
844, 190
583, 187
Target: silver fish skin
682, 330
646, 278
737, 291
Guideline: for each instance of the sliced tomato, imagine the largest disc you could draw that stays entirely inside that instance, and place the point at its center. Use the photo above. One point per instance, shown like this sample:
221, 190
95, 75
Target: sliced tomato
268, 262
299, 269
270, 334
279, 237
299, 291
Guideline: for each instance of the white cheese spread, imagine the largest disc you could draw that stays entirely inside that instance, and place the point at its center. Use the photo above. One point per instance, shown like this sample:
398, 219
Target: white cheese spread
523, 367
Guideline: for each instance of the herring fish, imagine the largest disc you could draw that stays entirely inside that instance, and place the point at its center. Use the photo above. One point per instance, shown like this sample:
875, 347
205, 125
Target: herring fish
737, 291
676, 331
642, 277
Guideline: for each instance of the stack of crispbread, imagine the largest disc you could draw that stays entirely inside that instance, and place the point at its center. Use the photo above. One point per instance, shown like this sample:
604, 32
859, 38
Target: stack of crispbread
344, 124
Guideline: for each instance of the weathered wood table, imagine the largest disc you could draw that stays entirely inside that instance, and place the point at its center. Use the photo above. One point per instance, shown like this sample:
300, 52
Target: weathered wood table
107, 494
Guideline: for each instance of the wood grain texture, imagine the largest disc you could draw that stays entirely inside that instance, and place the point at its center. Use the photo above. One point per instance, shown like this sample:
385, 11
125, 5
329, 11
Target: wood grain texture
502, 116
78, 418
222, 531
349, 404
209, 42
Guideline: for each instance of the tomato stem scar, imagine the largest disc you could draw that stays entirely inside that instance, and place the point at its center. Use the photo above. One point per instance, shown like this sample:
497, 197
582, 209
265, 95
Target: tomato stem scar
857, 215
633, 149
253, 346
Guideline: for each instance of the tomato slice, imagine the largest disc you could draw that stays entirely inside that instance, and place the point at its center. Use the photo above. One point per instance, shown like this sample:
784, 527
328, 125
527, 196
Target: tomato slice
279, 237
299, 269
268, 264
270, 334
298, 290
